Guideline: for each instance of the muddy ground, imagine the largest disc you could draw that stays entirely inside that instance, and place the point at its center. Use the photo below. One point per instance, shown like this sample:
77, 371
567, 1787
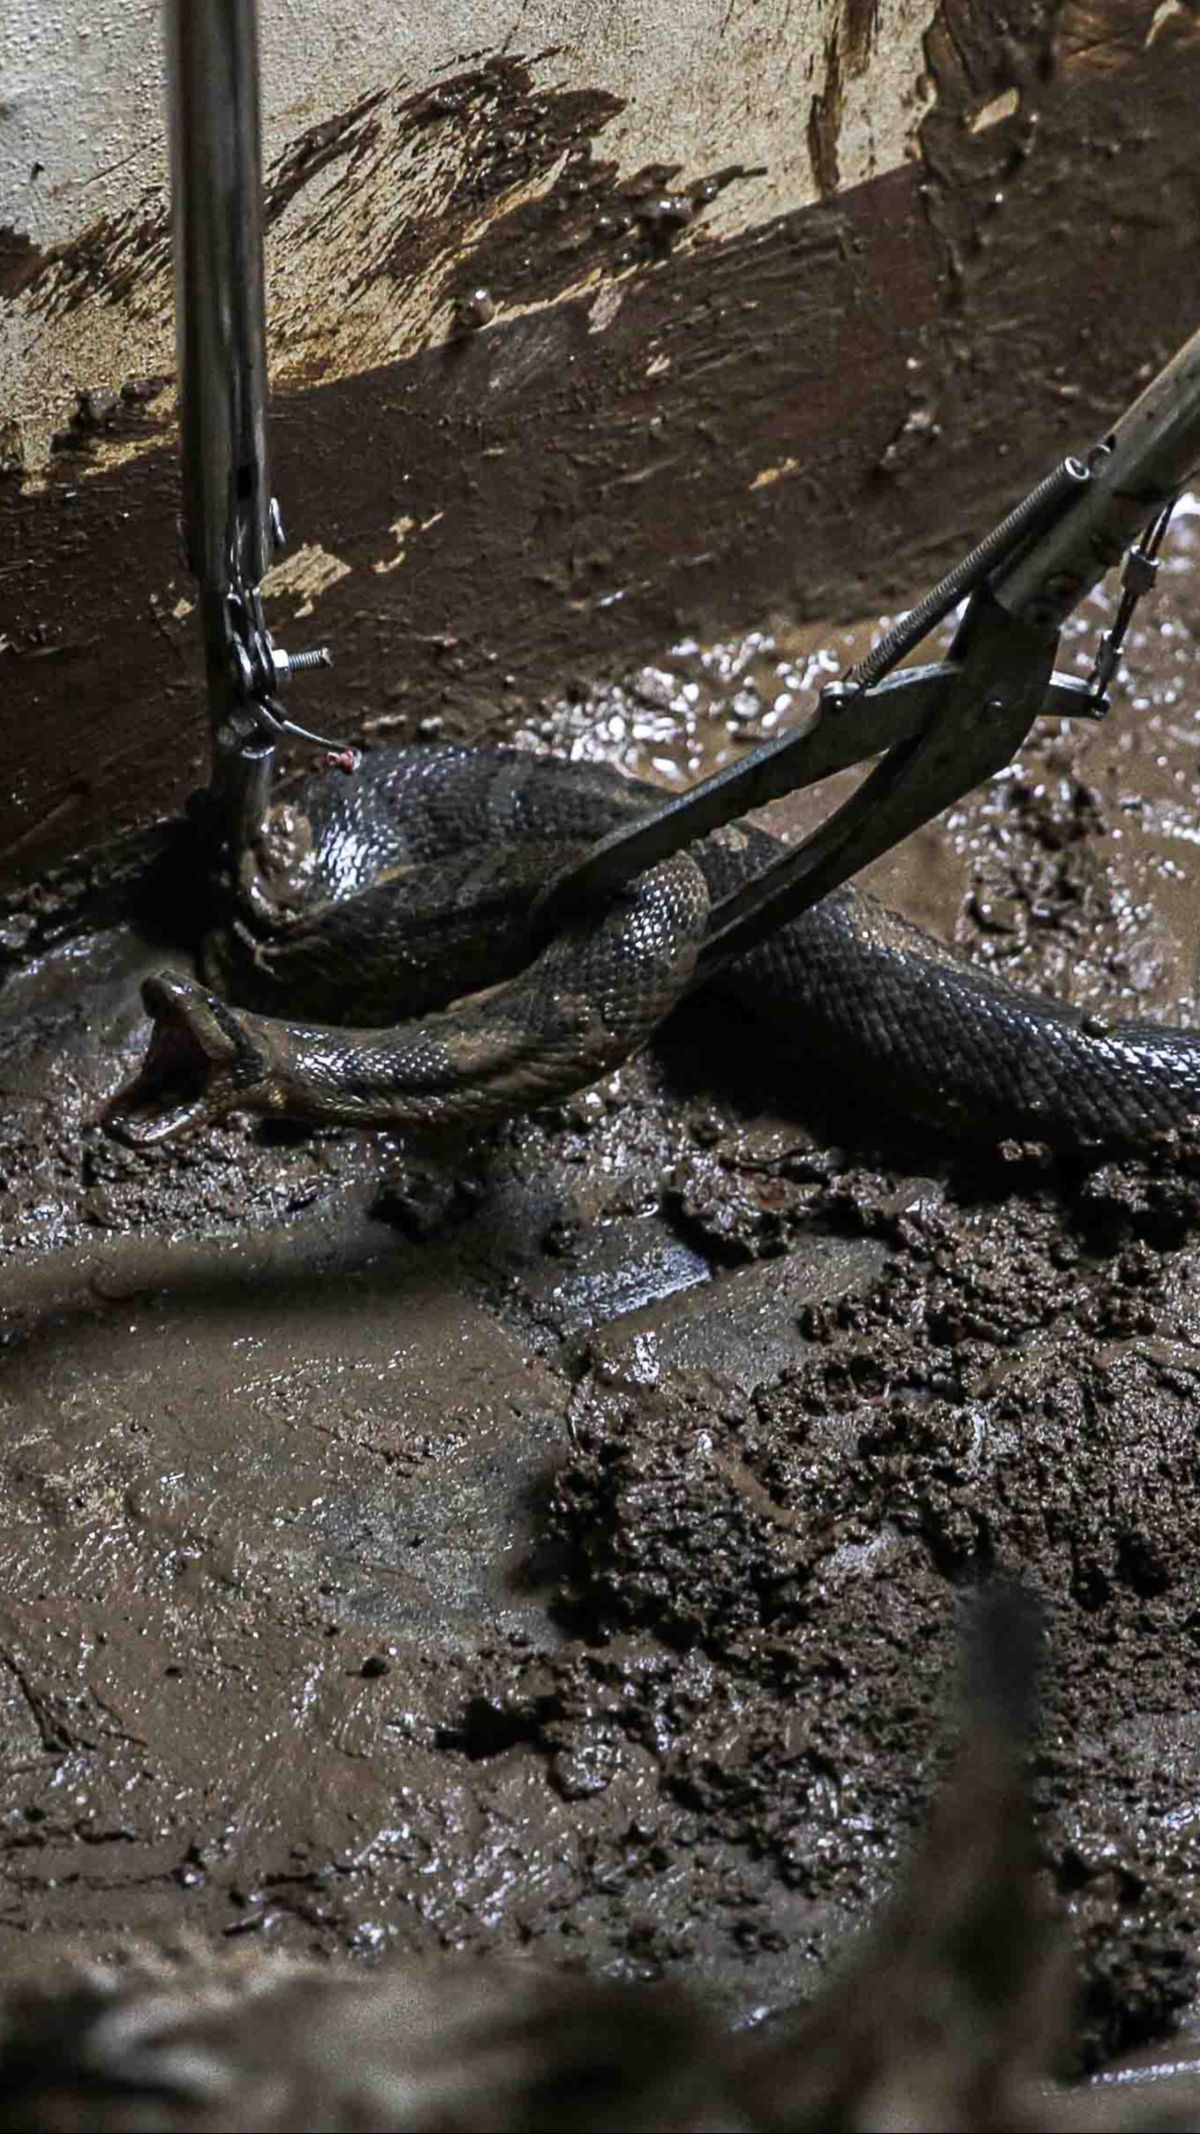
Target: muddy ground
555, 1547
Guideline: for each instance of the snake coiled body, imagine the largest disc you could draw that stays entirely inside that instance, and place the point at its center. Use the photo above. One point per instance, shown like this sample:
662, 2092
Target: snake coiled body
390, 909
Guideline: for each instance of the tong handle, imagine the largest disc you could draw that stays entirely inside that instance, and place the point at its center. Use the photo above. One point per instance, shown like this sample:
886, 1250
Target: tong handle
847, 725
1136, 470
968, 734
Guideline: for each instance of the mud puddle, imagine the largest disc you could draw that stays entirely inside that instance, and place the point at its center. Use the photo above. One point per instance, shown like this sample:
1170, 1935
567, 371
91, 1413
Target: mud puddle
555, 1548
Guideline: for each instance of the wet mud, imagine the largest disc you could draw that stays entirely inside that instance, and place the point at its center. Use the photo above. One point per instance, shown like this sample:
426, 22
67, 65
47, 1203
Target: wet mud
554, 1548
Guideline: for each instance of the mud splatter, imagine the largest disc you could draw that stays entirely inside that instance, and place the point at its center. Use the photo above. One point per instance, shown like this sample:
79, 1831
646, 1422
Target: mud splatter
19, 261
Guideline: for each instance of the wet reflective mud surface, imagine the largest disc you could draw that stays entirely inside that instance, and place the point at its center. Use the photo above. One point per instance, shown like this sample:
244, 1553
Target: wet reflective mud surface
553, 1548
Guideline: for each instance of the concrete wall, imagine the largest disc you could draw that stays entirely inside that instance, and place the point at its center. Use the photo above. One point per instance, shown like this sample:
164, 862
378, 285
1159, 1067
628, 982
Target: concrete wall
792, 296
808, 94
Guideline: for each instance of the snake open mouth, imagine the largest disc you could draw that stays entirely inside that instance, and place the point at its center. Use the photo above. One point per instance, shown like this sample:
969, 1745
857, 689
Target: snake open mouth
197, 1060
853, 985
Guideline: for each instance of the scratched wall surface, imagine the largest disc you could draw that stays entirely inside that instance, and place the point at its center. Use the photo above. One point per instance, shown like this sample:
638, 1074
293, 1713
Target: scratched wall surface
707, 389
797, 97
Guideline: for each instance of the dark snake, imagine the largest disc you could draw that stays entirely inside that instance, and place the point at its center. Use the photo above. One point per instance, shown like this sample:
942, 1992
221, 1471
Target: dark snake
406, 888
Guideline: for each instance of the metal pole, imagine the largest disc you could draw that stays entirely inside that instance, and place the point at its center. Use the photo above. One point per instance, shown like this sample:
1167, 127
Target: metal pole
1135, 470
216, 189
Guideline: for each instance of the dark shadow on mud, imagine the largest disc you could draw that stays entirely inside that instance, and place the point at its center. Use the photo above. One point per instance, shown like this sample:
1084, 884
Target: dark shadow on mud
1155, 1195
209, 1282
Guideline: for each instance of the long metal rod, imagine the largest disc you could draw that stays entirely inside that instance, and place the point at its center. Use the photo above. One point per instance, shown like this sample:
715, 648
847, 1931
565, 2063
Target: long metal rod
220, 317
216, 189
1145, 459
1029, 517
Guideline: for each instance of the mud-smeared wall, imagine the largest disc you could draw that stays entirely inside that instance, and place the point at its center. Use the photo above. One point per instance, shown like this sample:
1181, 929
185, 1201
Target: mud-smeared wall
397, 138
687, 406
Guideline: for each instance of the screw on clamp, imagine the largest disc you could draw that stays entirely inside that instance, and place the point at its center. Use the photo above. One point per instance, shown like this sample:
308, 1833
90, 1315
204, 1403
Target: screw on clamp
260, 667
271, 717
286, 664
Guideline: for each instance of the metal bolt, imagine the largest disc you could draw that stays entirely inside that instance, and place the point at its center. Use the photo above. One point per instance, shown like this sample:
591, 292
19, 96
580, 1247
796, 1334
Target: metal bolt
289, 663
836, 695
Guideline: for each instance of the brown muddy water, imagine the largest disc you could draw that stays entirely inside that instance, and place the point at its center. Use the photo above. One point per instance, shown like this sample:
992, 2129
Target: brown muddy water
555, 1549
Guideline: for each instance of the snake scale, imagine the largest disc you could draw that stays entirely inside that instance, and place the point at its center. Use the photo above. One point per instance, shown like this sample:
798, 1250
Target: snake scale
404, 889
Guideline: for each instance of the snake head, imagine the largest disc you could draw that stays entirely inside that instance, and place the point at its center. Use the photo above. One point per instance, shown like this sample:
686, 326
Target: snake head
202, 1062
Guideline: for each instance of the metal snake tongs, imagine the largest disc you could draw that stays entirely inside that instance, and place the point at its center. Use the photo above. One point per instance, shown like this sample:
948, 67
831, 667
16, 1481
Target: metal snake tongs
943, 728
231, 522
